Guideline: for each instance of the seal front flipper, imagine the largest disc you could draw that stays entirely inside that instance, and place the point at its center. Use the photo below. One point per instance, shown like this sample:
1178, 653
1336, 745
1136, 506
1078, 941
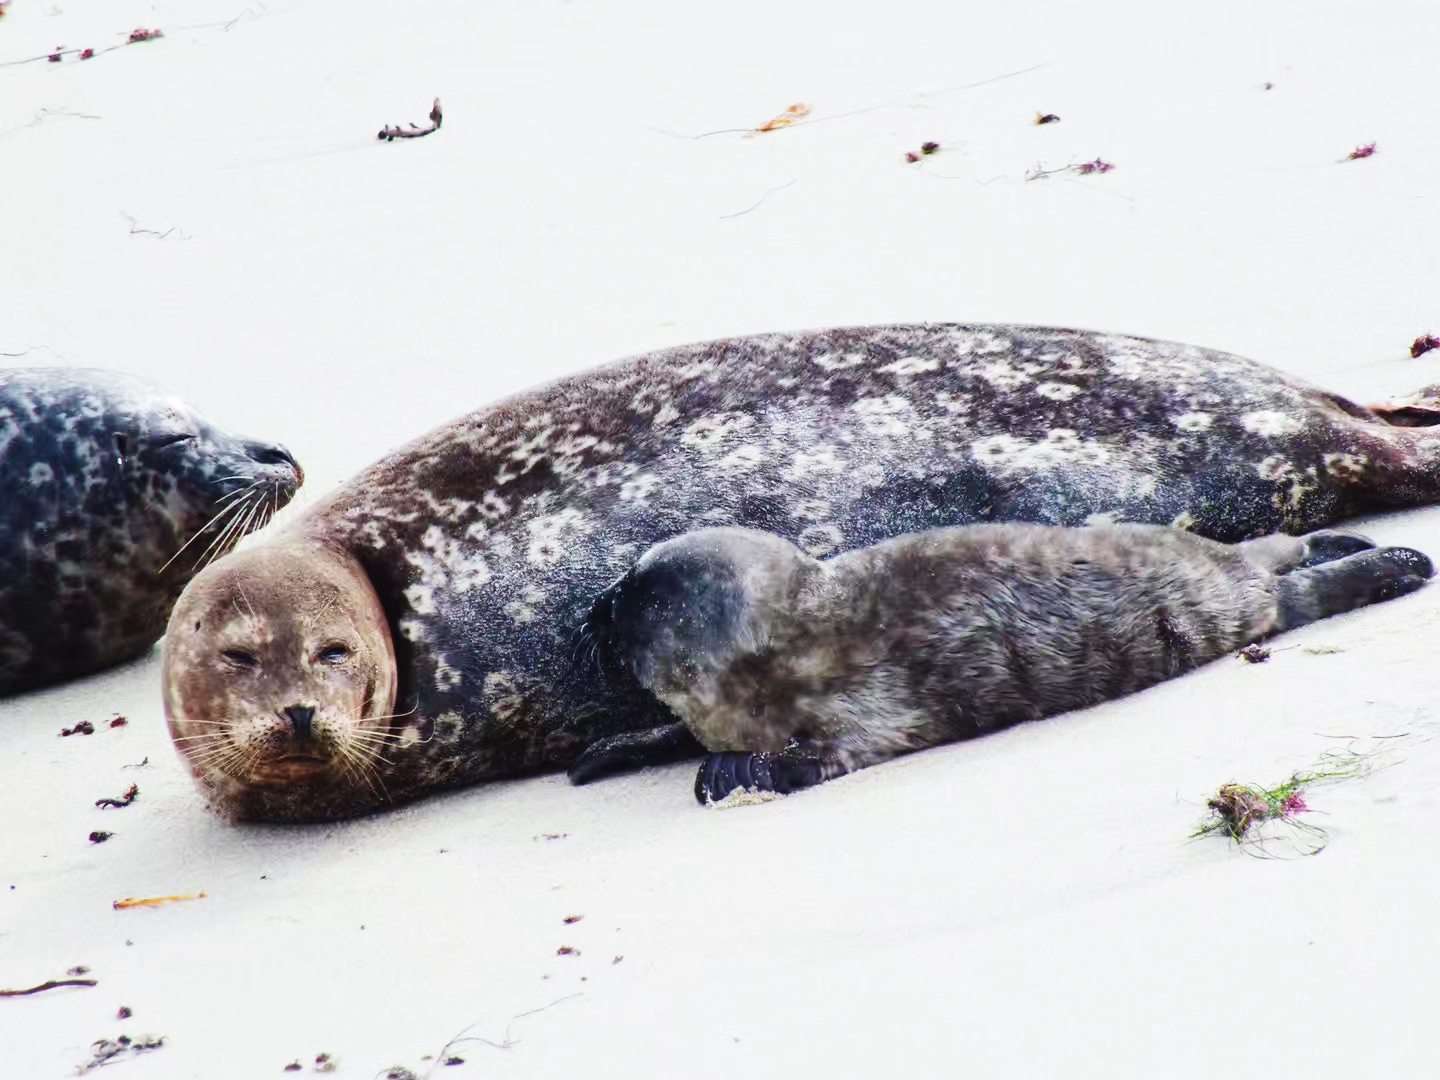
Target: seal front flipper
633, 750
724, 772
1349, 583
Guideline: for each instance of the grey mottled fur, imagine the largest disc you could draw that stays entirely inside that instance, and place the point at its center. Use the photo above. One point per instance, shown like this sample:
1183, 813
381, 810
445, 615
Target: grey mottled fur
104, 477
951, 633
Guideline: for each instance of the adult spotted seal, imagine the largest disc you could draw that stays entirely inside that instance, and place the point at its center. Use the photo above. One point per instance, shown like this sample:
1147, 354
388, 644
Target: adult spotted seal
793, 671
104, 477
478, 548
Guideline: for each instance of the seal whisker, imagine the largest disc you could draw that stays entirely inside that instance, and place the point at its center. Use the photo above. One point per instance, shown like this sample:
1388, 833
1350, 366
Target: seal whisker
222, 758
370, 775
248, 606
205, 756
377, 747
234, 528
374, 736
397, 715
225, 511
214, 756
255, 502
236, 509
239, 527
217, 739
211, 752
368, 754
240, 491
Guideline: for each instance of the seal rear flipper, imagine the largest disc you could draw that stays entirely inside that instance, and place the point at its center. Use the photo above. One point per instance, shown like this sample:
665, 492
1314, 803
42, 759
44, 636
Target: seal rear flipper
1355, 581
1330, 545
632, 750
1280, 554
722, 773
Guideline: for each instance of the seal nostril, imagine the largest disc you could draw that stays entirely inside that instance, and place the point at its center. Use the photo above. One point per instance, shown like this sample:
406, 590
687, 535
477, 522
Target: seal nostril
300, 717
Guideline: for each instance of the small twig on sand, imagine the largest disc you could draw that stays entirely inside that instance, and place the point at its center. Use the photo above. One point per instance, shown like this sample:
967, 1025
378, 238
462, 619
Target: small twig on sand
390, 134
136, 230
742, 213
51, 985
248, 11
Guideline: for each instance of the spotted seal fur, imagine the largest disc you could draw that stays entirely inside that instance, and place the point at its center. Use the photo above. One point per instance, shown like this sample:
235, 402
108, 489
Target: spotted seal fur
485, 542
793, 671
104, 477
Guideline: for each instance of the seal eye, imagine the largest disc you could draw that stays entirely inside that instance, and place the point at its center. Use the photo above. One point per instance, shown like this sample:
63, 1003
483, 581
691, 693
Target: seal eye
240, 658
334, 654
170, 440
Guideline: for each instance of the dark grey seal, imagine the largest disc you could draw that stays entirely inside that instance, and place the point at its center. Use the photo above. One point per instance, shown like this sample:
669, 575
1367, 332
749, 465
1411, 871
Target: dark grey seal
104, 478
484, 543
793, 671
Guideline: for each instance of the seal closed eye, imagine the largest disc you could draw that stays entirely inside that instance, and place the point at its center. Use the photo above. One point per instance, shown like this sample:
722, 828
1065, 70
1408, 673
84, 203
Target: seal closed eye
821, 668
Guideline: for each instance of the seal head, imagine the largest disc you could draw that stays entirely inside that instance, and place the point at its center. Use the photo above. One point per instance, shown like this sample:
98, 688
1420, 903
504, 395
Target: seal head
113, 492
279, 673
689, 605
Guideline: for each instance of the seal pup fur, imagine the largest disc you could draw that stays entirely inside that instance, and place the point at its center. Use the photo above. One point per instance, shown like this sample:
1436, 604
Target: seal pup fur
104, 478
486, 541
948, 634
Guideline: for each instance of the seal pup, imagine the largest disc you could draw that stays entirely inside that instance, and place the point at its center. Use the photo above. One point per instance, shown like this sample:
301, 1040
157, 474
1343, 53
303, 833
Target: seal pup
948, 634
485, 542
104, 478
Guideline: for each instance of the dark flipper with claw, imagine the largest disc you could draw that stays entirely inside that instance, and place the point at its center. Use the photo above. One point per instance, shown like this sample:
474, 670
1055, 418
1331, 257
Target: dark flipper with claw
1350, 582
722, 773
633, 750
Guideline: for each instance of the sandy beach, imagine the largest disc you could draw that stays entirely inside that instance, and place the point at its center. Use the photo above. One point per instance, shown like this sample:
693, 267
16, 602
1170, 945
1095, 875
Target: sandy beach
211, 208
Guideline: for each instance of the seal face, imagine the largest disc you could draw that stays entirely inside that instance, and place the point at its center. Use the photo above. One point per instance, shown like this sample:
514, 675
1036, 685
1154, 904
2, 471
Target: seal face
279, 673
104, 479
487, 541
797, 670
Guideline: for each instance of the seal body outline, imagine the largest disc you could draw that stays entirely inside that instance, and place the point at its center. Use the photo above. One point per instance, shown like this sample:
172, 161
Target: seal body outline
487, 540
793, 670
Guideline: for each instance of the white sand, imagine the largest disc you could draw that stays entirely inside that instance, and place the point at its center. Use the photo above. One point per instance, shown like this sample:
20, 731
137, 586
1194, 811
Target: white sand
1023, 905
